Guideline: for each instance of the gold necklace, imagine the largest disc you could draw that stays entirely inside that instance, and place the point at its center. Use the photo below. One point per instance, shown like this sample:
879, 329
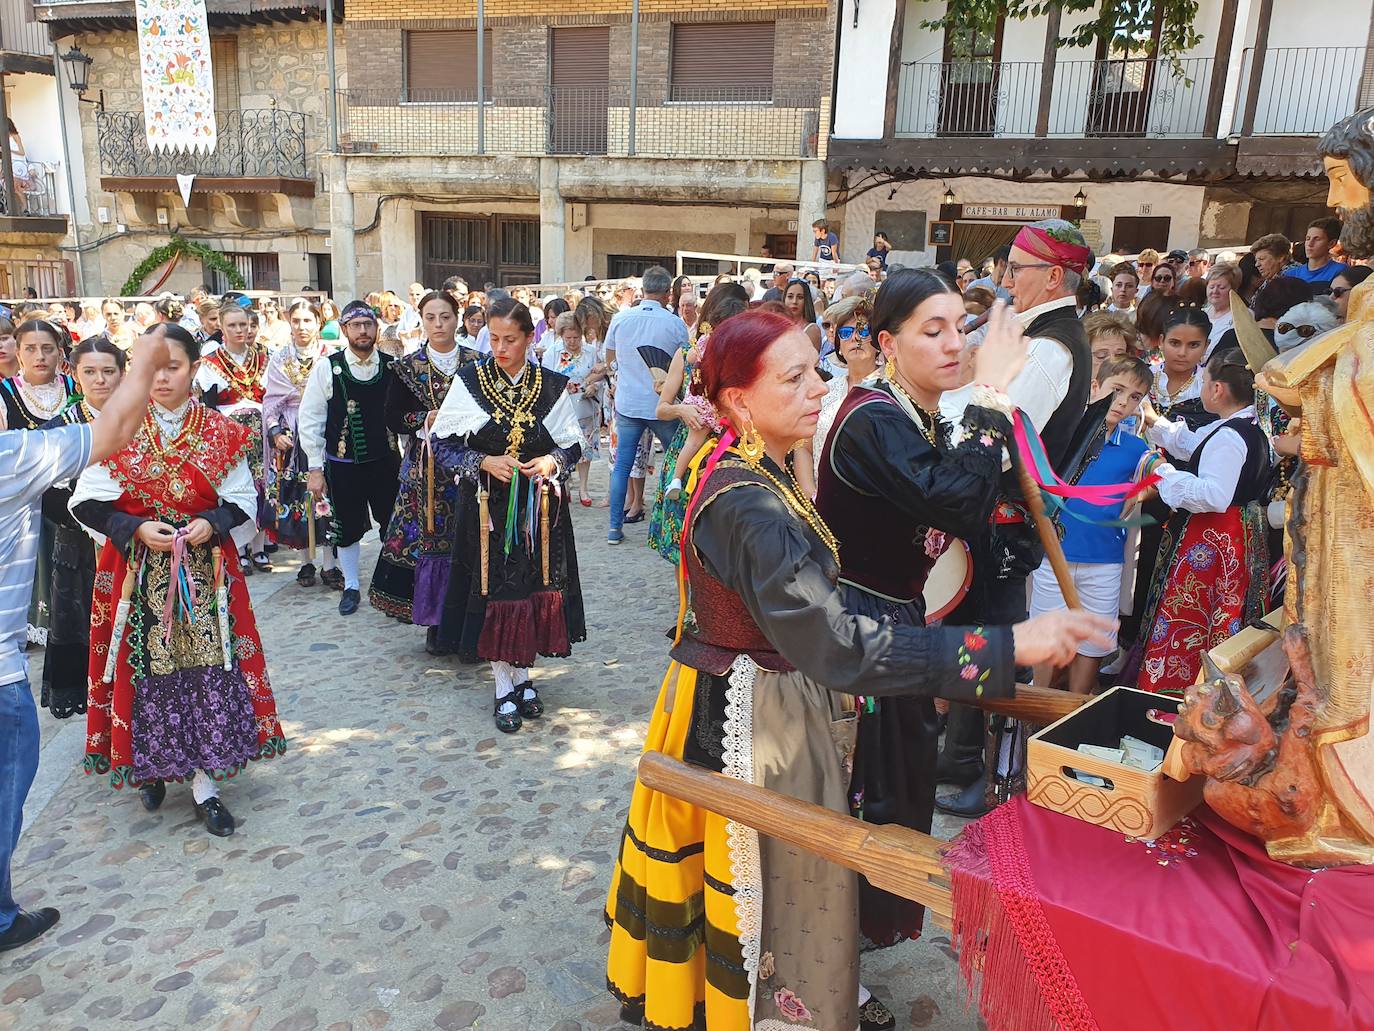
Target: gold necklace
795, 498
516, 410
926, 431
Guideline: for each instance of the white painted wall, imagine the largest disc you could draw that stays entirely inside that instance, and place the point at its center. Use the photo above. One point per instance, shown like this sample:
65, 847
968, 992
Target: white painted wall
1182, 204
860, 86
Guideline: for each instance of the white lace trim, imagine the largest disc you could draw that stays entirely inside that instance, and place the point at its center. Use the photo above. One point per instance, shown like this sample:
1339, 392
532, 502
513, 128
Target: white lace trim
781, 1025
746, 868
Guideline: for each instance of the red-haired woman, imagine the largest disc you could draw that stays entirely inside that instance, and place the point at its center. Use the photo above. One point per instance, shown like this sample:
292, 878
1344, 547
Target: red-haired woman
744, 696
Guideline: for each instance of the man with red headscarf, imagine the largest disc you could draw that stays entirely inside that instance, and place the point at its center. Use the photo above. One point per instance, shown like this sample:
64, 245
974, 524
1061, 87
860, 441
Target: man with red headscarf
1047, 263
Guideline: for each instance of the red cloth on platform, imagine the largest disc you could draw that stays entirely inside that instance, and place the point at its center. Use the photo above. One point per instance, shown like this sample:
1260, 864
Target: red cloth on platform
1074, 926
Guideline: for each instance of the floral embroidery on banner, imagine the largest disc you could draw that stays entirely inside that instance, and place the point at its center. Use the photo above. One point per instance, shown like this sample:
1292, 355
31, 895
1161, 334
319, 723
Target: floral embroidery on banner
178, 86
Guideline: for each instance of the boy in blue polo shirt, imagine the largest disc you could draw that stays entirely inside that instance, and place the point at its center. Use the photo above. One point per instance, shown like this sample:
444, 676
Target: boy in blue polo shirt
1097, 554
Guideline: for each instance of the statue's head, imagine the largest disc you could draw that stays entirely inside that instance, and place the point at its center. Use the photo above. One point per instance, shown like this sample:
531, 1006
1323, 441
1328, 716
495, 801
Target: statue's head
1347, 151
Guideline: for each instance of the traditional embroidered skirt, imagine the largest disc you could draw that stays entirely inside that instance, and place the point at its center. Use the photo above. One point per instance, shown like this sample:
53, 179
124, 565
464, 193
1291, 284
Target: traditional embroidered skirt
712, 926
173, 708
409, 543
665, 525
1211, 580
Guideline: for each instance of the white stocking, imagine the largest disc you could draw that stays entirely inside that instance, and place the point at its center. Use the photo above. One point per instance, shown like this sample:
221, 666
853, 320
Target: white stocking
504, 674
203, 788
348, 561
326, 555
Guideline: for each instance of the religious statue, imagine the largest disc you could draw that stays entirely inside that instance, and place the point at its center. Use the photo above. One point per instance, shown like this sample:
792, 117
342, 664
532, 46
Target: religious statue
1298, 771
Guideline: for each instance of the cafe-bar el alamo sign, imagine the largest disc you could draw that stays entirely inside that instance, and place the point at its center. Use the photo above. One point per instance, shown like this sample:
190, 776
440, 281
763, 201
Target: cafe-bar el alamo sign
1013, 212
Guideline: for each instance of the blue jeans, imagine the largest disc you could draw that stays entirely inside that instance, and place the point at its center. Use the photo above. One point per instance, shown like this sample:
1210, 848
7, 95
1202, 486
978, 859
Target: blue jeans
18, 764
629, 431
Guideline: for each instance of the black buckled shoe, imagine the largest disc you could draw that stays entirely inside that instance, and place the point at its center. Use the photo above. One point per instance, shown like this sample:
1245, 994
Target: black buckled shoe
530, 706
508, 722
151, 793
27, 926
874, 1016
305, 576
218, 820
348, 601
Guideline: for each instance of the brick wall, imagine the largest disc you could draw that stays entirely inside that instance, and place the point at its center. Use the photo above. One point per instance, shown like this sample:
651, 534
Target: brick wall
803, 40
377, 10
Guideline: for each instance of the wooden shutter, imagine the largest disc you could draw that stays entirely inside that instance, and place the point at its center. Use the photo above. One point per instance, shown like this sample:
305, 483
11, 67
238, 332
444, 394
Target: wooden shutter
722, 61
443, 65
224, 68
581, 56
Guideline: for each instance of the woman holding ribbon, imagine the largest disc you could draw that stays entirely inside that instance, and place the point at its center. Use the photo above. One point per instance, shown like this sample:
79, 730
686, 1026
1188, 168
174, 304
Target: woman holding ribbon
232, 380
508, 429
178, 681
412, 571
711, 924
289, 510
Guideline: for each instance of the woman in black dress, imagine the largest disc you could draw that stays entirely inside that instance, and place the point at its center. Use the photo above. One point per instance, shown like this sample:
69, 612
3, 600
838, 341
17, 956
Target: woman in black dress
508, 430
897, 489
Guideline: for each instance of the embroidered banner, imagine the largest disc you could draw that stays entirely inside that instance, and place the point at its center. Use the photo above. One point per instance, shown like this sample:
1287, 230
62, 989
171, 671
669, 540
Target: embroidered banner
178, 89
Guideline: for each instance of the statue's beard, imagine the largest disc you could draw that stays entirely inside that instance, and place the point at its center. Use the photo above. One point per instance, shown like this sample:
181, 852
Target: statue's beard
1357, 231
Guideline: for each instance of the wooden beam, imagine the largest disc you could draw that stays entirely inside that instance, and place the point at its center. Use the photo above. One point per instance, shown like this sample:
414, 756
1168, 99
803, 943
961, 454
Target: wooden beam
1221, 65
894, 69
1266, 10
8, 195
1042, 118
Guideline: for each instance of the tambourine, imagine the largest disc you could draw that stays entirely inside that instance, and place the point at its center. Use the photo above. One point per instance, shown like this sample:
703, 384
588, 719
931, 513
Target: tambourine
949, 581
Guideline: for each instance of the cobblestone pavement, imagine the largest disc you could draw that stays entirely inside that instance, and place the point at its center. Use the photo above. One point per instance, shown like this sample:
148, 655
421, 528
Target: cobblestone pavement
403, 866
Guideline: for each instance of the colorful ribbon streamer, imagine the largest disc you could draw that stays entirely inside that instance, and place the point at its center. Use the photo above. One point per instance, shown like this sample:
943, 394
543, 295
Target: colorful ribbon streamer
1055, 490
181, 591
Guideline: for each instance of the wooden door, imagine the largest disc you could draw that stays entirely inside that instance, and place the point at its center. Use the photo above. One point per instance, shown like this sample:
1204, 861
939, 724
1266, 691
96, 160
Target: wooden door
579, 76
1132, 234
1124, 76
969, 82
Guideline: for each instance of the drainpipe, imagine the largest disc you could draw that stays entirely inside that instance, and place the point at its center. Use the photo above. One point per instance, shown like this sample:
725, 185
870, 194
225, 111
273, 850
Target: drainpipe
333, 77
67, 168
481, 77
634, 72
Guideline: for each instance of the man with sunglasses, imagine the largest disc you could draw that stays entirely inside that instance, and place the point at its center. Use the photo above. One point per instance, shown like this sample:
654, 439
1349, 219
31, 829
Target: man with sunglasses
1199, 263
1321, 268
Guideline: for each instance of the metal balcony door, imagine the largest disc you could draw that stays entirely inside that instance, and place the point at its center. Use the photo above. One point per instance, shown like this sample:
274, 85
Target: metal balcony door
579, 77
500, 249
968, 83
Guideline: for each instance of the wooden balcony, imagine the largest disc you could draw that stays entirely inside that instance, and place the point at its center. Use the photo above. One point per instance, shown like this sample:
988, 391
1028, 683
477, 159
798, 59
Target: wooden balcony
24, 45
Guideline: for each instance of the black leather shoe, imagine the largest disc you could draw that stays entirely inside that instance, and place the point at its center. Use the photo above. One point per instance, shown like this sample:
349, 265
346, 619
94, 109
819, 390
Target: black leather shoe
874, 1016
530, 706
348, 602
26, 927
218, 820
959, 772
305, 576
151, 794
508, 722
970, 803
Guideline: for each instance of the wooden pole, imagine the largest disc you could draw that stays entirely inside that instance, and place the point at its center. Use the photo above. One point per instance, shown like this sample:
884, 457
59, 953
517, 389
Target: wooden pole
1035, 505
892, 857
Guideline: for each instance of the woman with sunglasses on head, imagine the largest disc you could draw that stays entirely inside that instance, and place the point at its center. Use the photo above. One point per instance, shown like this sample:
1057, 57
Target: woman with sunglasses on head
890, 464
99, 367
1211, 576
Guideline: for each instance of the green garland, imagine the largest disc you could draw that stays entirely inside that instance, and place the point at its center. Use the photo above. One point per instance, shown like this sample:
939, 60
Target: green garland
211, 259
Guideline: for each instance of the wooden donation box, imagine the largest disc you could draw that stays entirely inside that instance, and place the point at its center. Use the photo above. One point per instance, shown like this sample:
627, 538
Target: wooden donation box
1133, 796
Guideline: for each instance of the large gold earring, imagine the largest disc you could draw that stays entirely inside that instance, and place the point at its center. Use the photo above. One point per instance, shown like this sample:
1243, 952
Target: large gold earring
751, 446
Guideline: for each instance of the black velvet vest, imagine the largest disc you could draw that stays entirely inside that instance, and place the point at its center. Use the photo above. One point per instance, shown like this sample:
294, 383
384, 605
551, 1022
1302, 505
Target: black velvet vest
1254, 474
365, 438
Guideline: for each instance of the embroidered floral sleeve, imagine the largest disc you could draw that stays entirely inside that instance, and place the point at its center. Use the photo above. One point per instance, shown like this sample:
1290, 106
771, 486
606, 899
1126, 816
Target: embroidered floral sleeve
455, 458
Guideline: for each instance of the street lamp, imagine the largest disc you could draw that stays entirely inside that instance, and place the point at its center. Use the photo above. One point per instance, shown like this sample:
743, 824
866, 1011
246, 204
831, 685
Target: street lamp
78, 66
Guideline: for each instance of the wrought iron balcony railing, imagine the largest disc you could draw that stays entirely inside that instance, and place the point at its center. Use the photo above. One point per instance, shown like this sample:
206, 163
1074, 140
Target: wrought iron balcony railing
265, 143
1301, 91
705, 123
35, 191
1126, 97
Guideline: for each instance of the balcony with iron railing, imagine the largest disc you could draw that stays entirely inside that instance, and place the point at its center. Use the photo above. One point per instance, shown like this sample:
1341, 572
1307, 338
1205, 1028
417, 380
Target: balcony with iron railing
1299, 91
1124, 98
724, 123
263, 150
